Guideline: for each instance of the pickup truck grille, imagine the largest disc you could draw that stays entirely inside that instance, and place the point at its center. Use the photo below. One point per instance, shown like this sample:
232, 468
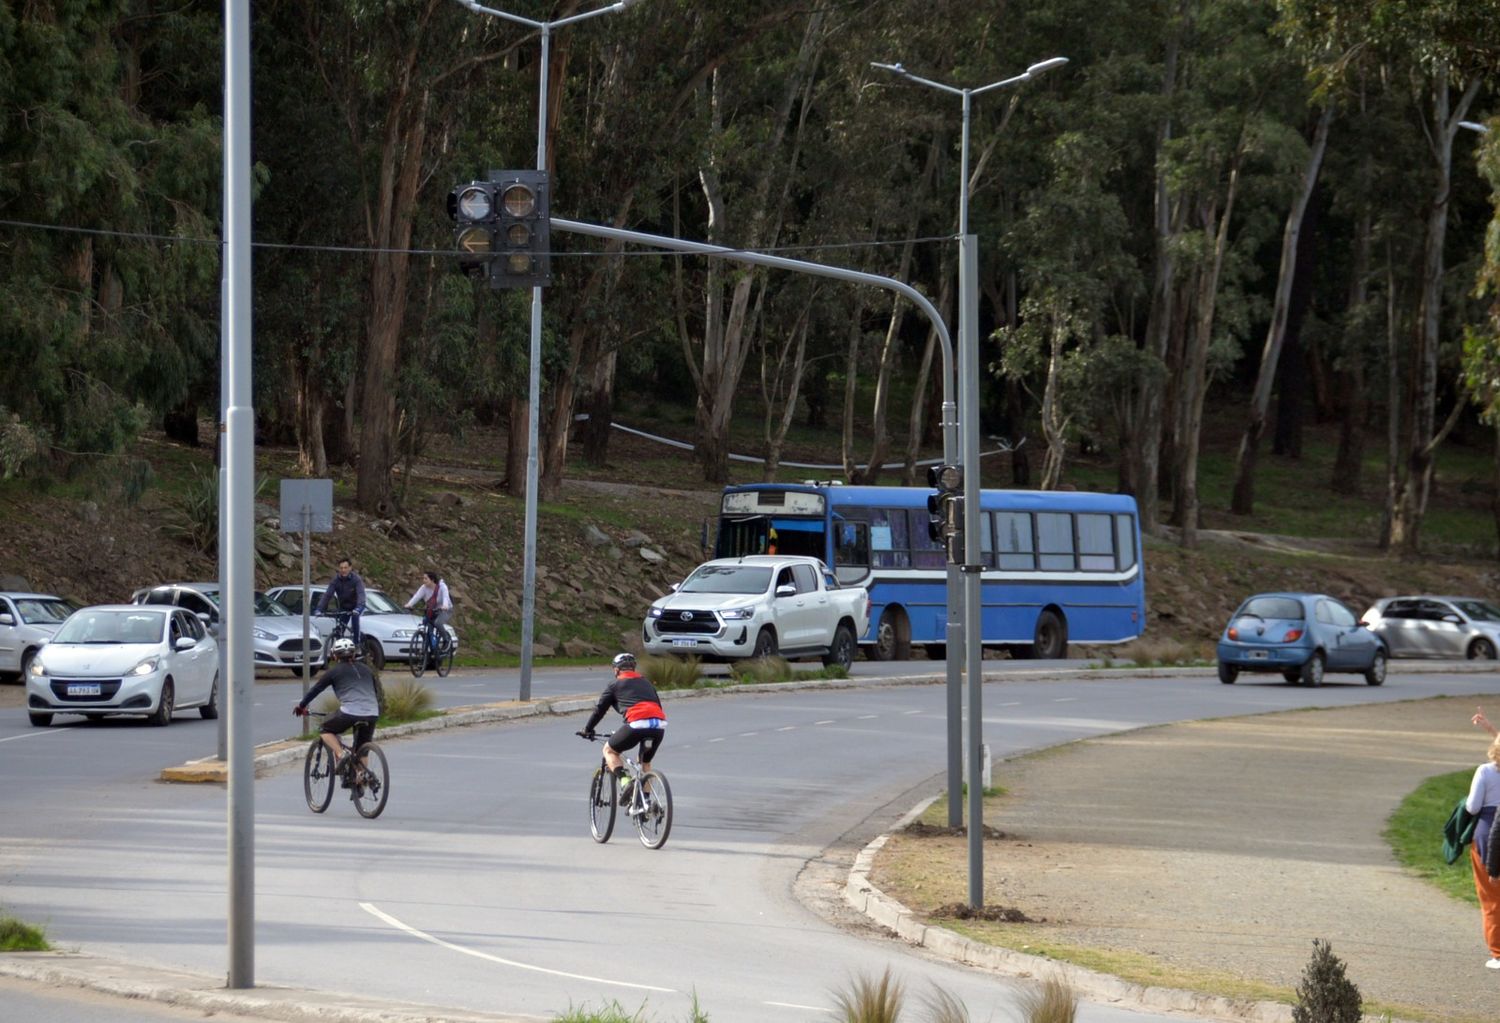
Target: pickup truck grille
690, 622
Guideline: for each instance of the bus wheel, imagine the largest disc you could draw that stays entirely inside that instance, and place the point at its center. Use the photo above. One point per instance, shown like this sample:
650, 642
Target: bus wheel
1051, 642
892, 640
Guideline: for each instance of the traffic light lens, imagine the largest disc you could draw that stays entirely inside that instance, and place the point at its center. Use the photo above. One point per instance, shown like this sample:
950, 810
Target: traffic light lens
518, 234
519, 262
474, 204
519, 201
474, 239
949, 477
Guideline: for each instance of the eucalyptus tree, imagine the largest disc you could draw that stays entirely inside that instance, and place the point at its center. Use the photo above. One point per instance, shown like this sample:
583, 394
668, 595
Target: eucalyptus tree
1445, 49
108, 304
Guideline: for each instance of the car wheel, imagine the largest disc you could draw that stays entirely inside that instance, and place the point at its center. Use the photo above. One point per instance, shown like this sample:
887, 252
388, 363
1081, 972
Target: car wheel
374, 653
1376, 675
26, 659
163, 714
1481, 650
765, 643
210, 710
841, 654
1228, 673
39, 720
1312, 671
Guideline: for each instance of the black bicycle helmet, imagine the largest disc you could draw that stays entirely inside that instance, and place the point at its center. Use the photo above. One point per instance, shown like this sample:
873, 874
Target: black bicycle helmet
624, 662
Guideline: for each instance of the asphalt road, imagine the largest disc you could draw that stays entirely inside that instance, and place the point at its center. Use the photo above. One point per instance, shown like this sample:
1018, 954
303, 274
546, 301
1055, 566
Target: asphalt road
479, 888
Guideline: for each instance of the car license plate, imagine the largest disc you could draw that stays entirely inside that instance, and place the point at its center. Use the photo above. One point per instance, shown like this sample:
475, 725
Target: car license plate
84, 690
1259, 655
684, 642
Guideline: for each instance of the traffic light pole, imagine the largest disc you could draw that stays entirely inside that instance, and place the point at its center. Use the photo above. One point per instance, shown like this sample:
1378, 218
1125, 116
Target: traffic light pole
968, 375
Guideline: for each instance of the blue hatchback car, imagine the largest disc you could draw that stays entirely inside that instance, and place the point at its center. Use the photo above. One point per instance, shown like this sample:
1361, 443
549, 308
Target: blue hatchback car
1300, 635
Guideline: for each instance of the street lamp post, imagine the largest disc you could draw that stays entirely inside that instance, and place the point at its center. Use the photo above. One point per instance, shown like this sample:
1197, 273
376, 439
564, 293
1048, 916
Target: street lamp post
968, 415
534, 402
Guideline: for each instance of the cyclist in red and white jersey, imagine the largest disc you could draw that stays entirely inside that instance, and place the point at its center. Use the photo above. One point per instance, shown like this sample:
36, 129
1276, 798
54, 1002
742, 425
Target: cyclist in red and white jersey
633, 695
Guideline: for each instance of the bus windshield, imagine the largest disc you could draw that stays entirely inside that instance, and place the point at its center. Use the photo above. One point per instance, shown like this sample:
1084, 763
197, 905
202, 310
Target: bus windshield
727, 579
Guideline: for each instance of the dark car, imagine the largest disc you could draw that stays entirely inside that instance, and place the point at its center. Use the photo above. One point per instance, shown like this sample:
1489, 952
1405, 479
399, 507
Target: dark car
1300, 636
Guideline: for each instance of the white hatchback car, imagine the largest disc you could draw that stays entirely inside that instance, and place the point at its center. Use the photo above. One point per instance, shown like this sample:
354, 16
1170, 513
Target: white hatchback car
27, 620
125, 659
386, 629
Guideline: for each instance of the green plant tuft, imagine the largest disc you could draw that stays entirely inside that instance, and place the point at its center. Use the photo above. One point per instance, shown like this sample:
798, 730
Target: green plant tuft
1326, 994
943, 1007
762, 669
1051, 1001
18, 936
407, 700
667, 672
614, 1012
870, 1001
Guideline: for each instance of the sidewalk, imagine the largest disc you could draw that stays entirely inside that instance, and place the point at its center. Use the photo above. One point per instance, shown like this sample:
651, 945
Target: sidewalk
1221, 848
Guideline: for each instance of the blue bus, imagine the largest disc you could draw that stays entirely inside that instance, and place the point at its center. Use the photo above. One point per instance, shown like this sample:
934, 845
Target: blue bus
1059, 566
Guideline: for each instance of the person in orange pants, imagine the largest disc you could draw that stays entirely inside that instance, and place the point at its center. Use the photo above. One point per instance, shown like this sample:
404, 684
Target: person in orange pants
1482, 801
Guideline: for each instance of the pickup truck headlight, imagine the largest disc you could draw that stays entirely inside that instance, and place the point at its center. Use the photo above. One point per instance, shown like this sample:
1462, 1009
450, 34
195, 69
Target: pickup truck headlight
655, 612
737, 614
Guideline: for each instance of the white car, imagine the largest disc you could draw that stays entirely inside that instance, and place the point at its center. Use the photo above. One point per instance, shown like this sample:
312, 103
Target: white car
27, 620
276, 632
386, 628
125, 659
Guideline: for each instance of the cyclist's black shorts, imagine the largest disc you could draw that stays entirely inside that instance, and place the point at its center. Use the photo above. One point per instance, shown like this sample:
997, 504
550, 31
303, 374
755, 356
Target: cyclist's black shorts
648, 739
363, 724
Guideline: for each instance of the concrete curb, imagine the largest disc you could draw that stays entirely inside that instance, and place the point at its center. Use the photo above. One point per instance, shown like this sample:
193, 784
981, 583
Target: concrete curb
205, 994
862, 895
285, 751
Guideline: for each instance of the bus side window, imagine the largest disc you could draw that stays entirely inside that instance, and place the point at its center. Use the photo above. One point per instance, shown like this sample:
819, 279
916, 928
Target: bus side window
853, 550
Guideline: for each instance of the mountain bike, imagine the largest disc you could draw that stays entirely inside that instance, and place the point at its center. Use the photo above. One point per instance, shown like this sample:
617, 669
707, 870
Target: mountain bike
647, 800
363, 772
431, 644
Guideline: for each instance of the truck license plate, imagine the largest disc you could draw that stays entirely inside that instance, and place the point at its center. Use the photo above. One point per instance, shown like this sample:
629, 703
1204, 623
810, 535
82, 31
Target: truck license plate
684, 642
83, 690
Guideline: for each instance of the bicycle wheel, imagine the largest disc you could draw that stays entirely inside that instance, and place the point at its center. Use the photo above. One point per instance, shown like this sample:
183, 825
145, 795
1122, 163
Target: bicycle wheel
373, 781
602, 798
654, 823
317, 776
418, 660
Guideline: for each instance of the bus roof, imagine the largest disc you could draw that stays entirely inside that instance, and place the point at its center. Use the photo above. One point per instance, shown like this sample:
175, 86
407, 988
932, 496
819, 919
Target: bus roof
992, 500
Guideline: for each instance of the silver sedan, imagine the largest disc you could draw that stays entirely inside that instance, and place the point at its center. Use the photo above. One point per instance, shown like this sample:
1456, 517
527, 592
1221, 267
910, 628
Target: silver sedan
1425, 626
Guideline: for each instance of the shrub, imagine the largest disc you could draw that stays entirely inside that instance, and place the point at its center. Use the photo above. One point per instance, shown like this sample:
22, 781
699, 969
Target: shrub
1051, 1001
870, 1001
407, 700
18, 936
671, 672
762, 669
611, 1013
944, 1008
1326, 994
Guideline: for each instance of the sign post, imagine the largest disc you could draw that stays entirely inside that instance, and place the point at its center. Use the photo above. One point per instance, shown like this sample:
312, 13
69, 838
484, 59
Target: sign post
307, 508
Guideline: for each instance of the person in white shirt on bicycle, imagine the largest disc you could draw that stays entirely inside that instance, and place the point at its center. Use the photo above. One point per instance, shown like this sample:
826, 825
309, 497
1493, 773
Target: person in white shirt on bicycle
438, 605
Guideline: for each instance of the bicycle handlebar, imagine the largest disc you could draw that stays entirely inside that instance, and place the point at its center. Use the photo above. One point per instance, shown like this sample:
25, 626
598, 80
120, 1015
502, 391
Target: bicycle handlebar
591, 736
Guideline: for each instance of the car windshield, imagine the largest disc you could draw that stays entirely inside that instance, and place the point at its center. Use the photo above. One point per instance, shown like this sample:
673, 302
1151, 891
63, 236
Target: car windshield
265, 607
112, 627
377, 603
1478, 610
1284, 608
44, 611
727, 579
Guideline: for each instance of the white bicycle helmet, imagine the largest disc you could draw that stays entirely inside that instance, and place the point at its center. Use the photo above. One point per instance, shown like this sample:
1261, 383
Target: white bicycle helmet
343, 647
624, 662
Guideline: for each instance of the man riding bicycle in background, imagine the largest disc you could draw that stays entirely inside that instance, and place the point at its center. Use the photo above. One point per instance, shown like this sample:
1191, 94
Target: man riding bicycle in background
359, 706
633, 695
437, 605
347, 592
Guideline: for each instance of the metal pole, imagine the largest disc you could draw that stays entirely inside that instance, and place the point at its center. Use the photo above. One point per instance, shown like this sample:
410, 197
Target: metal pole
237, 514
968, 374
222, 455
534, 405
306, 603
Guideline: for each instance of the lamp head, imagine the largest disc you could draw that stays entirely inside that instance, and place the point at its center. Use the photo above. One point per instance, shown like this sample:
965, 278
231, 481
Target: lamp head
1045, 65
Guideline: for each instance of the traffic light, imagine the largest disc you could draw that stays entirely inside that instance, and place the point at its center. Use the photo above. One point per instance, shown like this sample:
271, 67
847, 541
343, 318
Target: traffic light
945, 509
502, 226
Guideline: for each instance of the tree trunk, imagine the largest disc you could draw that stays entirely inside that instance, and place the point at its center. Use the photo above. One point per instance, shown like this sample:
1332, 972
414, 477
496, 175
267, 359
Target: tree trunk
1411, 498
600, 405
916, 426
1349, 462
1243, 501
516, 438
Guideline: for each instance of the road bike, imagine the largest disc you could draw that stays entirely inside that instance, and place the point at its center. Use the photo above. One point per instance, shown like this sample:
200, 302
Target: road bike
431, 644
363, 772
647, 800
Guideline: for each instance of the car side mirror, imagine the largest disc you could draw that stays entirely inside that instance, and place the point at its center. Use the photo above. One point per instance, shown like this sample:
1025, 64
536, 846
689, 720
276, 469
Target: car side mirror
6, 619
1453, 619
674, 587
786, 590
184, 643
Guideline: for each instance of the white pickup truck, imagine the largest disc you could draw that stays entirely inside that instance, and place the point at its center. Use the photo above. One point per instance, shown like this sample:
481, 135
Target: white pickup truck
759, 606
